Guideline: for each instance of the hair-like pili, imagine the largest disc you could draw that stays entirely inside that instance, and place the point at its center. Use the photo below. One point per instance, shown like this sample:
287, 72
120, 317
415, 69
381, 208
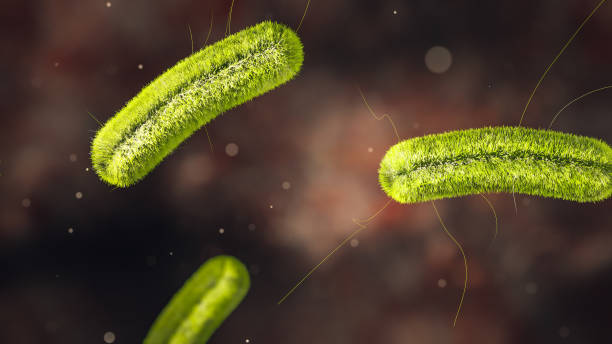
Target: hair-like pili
501, 159
202, 304
189, 95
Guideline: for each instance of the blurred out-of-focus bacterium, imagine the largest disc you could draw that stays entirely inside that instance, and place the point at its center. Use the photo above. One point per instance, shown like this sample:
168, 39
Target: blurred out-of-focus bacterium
202, 304
189, 95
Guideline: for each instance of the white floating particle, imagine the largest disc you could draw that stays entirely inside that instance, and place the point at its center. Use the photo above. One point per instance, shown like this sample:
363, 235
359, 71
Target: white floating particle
26, 202
78, 195
354, 243
394, 11
56, 64
70, 230
271, 206
86, 169
247, 340
370, 149
109, 337
286, 185
438, 59
221, 230
231, 149
140, 66
108, 4
442, 283
171, 253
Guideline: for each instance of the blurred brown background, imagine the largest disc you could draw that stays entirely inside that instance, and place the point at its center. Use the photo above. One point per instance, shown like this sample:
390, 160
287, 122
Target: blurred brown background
82, 263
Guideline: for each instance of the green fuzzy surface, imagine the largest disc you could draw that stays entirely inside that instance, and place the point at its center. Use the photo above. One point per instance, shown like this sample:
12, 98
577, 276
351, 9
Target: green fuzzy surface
494, 160
202, 304
189, 95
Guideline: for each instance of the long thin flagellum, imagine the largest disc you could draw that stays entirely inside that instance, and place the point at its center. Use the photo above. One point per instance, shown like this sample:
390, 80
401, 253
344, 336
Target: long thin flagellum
569, 41
552, 121
465, 263
362, 224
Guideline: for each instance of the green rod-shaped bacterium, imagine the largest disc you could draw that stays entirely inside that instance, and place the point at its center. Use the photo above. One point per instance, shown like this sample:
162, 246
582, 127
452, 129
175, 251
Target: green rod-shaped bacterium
501, 159
189, 95
201, 305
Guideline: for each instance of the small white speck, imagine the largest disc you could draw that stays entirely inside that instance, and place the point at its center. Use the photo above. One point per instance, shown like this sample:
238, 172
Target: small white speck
247, 340
271, 206
86, 169
26, 202
56, 64
109, 337
78, 195
442, 283
354, 243
394, 11
231, 149
221, 230
108, 4
70, 230
252, 227
171, 253
370, 149
286, 185
140, 66
72, 157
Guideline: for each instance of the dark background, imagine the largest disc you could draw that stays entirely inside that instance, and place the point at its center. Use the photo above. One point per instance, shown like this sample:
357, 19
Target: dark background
546, 279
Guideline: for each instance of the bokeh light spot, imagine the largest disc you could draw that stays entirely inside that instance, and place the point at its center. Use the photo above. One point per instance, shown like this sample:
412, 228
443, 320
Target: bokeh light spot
438, 59
109, 337
442, 283
231, 149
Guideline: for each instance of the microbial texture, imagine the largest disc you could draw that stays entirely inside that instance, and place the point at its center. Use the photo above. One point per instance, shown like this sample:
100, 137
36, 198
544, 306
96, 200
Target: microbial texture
201, 305
493, 160
189, 95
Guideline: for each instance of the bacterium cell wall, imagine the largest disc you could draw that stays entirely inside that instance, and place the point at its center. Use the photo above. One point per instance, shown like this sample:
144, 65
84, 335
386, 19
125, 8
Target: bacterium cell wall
277, 180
